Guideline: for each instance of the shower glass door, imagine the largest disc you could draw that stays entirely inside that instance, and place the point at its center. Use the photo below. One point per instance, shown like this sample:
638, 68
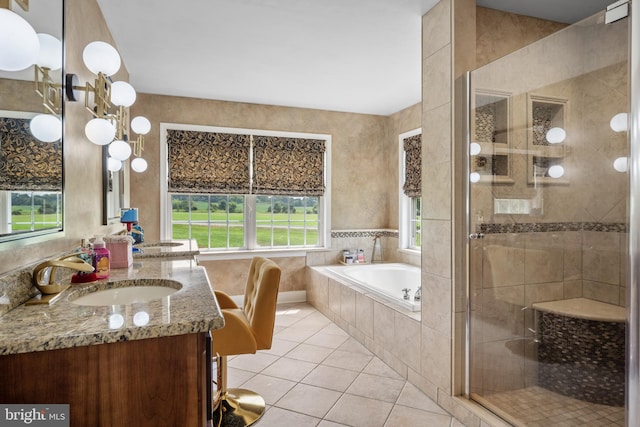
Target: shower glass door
548, 206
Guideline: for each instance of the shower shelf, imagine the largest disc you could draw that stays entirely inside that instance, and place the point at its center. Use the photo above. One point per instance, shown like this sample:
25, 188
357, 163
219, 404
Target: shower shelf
545, 113
492, 131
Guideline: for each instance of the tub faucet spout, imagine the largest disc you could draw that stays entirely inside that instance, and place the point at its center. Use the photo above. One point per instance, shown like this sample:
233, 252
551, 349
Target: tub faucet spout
418, 295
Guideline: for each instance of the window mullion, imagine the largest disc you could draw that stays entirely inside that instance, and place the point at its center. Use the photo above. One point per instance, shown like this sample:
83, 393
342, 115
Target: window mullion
250, 232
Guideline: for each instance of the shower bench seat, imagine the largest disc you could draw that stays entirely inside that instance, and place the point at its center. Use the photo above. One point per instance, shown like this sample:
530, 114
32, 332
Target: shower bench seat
581, 350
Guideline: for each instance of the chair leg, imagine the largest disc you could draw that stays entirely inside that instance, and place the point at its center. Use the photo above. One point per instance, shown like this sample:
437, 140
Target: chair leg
234, 407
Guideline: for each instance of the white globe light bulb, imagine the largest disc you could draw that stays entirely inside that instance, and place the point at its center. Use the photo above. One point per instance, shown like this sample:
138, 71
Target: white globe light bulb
46, 127
116, 320
122, 94
139, 164
140, 125
19, 45
621, 164
474, 177
141, 318
50, 52
556, 135
474, 148
620, 122
556, 171
114, 165
101, 57
100, 131
119, 150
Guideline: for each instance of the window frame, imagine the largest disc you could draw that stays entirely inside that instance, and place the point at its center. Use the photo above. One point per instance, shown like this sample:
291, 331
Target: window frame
250, 230
406, 206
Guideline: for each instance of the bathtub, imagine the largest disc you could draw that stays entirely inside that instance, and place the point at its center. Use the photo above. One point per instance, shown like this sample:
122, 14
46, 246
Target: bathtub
383, 280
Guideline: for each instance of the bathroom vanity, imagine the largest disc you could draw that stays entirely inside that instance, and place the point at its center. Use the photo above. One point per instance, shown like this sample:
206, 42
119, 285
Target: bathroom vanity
130, 363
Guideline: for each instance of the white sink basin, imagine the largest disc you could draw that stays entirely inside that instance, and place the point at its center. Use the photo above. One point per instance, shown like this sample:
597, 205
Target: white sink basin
127, 292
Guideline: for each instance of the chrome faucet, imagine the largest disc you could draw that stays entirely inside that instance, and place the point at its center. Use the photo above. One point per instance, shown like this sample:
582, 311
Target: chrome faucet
405, 292
377, 245
418, 295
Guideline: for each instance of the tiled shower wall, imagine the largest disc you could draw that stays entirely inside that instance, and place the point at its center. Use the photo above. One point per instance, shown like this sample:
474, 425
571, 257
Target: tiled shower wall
513, 270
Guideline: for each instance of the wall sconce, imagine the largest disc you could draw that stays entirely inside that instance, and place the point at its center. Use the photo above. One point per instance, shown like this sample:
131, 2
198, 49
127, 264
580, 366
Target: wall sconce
18, 40
20, 48
109, 102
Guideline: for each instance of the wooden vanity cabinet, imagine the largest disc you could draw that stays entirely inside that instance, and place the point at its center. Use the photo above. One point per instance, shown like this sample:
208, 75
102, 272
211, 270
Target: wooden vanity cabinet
150, 382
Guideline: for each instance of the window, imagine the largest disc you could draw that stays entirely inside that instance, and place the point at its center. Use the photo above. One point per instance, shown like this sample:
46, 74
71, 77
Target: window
410, 189
30, 211
238, 189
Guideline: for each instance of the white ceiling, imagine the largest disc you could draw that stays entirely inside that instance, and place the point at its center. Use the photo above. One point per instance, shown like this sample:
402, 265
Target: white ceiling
359, 56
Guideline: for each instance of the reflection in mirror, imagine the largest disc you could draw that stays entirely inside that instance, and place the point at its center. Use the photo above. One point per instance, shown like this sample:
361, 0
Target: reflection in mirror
31, 168
113, 185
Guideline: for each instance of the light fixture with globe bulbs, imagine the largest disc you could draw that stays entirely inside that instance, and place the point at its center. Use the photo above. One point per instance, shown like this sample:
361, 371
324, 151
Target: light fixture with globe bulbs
108, 102
20, 48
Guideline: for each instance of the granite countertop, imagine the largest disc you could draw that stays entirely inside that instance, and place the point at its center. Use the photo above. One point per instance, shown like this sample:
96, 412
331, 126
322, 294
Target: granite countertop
167, 248
584, 308
63, 324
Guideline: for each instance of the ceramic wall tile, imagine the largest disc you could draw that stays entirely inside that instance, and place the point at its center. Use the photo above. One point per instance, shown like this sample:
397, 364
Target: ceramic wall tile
437, 294
503, 264
601, 292
601, 255
436, 356
364, 314
348, 305
436, 252
406, 343
335, 296
502, 316
436, 28
383, 325
543, 258
436, 79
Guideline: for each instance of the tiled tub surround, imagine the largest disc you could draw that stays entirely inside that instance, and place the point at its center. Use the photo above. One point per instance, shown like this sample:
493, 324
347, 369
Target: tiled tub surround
63, 324
389, 281
391, 333
582, 350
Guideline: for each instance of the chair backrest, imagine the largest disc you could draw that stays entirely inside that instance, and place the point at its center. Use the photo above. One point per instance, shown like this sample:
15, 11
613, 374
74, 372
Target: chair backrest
260, 298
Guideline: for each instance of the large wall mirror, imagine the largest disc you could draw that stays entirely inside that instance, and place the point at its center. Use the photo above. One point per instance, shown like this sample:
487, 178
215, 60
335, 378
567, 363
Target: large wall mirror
31, 158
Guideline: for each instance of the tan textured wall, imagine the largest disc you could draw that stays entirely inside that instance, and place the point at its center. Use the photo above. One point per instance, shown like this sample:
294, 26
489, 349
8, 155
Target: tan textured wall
82, 160
230, 276
359, 174
364, 167
403, 121
500, 33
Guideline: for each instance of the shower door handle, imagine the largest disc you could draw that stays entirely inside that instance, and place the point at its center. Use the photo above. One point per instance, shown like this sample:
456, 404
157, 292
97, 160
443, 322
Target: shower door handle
474, 236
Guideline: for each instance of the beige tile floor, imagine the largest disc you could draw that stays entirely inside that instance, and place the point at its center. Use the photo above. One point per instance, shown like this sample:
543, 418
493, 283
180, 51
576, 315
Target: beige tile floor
537, 407
317, 375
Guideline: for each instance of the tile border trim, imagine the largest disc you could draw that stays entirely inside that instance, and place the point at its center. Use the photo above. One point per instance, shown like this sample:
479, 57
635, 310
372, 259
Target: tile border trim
542, 227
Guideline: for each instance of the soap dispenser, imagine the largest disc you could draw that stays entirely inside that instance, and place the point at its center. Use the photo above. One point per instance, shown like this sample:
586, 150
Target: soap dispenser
100, 258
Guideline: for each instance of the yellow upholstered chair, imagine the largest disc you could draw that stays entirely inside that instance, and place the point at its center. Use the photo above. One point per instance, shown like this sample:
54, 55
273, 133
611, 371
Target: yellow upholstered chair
245, 331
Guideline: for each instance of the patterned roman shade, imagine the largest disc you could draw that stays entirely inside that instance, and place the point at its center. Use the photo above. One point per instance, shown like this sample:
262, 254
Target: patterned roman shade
288, 166
208, 162
413, 166
27, 164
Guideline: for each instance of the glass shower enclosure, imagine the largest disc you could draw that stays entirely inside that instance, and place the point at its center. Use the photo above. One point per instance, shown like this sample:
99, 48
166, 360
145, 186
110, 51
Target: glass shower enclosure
548, 213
